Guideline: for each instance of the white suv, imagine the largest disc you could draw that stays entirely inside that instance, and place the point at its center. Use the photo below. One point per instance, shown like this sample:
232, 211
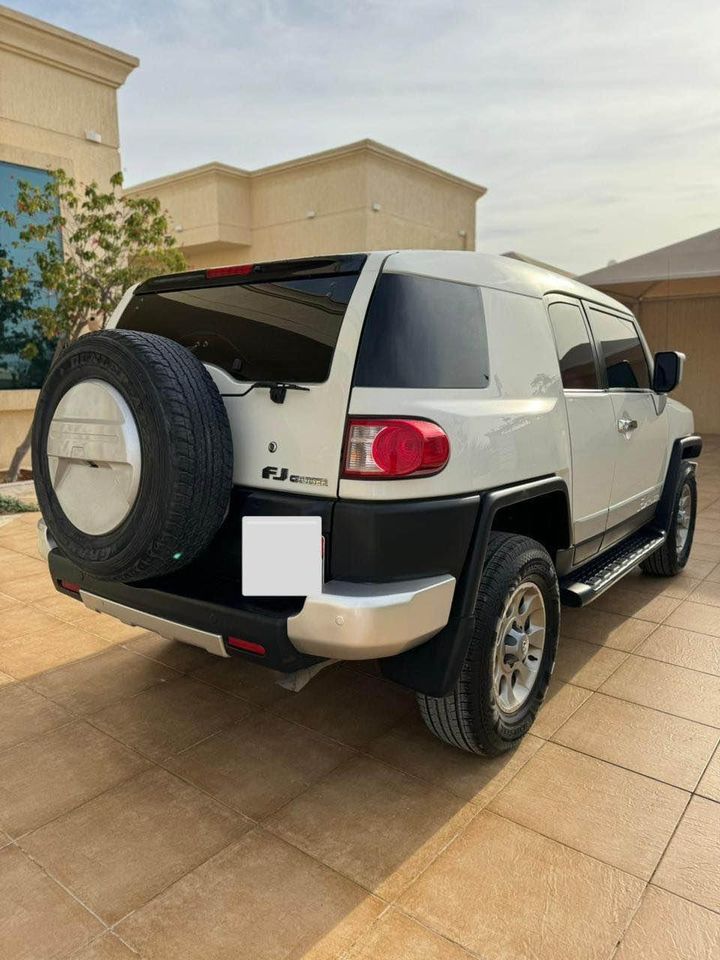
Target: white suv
413, 456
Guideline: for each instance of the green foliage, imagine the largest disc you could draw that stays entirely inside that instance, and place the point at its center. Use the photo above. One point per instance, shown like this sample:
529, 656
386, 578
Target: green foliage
108, 241
20, 334
13, 505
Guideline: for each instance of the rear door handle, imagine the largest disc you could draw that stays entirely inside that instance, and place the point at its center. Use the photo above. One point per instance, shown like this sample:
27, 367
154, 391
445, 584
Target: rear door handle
625, 426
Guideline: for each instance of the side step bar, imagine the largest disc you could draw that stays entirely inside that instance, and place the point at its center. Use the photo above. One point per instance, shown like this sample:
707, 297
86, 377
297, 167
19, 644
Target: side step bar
585, 584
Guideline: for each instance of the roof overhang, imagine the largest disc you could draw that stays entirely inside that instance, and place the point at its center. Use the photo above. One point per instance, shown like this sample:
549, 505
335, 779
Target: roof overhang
37, 40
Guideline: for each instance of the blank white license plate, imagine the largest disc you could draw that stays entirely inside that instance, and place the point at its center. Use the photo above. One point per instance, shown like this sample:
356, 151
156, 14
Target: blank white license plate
282, 556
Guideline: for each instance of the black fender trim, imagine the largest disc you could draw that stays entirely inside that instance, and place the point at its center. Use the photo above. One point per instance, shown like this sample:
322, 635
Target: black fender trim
685, 448
433, 667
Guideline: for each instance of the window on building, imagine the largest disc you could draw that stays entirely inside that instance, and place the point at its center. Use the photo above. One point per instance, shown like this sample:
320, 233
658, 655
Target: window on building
621, 351
575, 352
20, 367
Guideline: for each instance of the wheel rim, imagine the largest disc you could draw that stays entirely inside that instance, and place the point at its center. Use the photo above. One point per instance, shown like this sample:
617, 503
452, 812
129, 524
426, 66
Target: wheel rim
518, 647
94, 461
682, 521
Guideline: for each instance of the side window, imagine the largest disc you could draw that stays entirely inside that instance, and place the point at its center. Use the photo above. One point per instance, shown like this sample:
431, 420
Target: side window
575, 353
621, 351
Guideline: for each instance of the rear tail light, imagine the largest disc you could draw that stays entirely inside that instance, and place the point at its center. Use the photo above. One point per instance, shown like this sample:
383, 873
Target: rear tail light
70, 587
241, 270
394, 448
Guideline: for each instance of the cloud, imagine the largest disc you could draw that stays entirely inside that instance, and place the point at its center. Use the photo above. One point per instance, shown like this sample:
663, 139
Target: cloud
595, 125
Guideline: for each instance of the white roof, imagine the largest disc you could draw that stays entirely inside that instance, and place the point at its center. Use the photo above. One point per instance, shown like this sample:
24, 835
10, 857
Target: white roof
502, 273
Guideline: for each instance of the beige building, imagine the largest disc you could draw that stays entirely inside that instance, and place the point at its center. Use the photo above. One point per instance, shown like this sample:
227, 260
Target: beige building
363, 196
675, 294
58, 108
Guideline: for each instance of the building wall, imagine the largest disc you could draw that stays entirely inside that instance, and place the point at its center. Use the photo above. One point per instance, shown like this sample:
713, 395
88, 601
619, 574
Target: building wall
362, 196
690, 325
54, 88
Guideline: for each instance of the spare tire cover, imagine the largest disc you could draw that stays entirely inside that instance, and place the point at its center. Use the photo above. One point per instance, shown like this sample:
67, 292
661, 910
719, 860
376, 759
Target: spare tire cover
132, 455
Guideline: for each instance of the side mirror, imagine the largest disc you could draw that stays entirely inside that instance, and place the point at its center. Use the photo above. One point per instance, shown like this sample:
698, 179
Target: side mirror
668, 370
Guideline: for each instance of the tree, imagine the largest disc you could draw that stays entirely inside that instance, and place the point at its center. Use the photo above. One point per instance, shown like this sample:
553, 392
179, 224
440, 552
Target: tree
78, 249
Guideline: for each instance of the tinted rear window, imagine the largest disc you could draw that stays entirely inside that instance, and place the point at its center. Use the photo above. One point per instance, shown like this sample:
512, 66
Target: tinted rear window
423, 333
284, 330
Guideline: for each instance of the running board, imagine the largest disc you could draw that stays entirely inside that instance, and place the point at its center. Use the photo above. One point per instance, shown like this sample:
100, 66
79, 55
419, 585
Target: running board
585, 584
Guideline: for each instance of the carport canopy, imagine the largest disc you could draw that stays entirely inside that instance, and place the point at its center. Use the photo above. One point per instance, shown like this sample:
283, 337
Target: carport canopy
688, 268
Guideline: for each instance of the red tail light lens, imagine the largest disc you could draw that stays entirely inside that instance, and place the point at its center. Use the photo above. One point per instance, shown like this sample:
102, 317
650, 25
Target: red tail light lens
390, 449
238, 271
70, 587
248, 645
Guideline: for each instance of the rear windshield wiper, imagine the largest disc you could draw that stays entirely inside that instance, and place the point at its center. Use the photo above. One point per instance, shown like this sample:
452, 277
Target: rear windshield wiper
278, 389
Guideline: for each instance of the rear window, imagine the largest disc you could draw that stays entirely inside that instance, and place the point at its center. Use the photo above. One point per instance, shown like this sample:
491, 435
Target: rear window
280, 330
423, 333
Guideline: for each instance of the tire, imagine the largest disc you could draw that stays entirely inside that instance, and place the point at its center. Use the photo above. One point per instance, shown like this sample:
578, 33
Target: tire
672, 556
471, 716
166, 448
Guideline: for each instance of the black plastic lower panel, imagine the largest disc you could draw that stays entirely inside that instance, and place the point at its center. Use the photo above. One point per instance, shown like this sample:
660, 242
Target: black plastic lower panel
214, 612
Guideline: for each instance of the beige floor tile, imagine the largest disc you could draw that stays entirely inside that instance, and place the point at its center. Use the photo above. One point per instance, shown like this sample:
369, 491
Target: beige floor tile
119, 850
411, 747
607, 812
700, 617
106, 947
180, 656
25, 714
43, 650
22, 619
259, 764
708, 592
96, 682
704, 536
561, 701
603, 628
655, 744
666, 687
38, 919
347, 706
19, 567
372, 823
585, 664
714, 573
696, 651
669, 928
260, 899
508, 893
698, 569
691, 865
67, 609
170, 717
4, 678
678, 586
703, 551
398, 937
244, 679
709, 785
7, 602
633, 603
31, 588
43, 778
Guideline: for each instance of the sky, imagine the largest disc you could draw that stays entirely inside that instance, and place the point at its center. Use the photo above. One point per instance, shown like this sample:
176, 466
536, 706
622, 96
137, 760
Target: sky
594, 125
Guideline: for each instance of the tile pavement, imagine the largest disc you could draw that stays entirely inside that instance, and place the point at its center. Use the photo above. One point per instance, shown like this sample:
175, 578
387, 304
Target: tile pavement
158, 803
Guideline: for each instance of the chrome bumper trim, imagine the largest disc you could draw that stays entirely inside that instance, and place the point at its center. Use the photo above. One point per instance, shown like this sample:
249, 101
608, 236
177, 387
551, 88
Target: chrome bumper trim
361, 621
45, 542
212, 642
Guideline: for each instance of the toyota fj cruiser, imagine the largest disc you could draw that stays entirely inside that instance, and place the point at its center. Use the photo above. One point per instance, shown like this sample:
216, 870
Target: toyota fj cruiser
411, 456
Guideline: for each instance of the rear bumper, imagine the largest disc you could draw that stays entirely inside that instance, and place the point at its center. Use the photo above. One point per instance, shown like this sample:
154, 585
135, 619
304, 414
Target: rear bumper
348, 621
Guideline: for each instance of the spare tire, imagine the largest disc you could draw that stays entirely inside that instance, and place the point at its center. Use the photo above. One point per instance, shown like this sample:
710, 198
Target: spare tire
132, 455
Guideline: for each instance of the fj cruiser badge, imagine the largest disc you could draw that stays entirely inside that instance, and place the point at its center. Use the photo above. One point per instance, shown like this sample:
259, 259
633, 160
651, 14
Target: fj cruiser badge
282, 473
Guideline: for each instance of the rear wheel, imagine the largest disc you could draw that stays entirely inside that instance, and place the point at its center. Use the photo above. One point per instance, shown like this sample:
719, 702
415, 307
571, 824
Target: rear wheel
509, 661
672, 556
